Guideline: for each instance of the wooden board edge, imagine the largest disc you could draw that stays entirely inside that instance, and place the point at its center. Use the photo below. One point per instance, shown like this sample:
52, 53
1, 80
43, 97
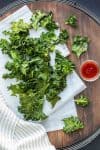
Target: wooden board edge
16, 4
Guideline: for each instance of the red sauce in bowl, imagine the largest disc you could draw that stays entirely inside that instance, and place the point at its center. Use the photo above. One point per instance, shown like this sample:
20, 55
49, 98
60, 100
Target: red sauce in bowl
89, 70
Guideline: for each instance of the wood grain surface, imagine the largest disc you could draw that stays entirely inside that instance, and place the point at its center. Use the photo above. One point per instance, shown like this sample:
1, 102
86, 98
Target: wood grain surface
88, 27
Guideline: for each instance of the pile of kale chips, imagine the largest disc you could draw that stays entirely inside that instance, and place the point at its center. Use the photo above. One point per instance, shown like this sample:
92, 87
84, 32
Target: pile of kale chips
30, 65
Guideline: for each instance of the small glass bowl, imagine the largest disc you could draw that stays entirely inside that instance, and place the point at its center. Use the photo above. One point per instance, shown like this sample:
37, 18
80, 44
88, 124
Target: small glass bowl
93, 78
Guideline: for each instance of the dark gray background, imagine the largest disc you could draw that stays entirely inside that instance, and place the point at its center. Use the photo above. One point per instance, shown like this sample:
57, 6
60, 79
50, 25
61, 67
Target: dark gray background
94, 7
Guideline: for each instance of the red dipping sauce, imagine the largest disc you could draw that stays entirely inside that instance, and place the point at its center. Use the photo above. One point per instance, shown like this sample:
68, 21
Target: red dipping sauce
89, 70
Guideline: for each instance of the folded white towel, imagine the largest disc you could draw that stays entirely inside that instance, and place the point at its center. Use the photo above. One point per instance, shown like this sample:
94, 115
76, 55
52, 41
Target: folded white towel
16, 134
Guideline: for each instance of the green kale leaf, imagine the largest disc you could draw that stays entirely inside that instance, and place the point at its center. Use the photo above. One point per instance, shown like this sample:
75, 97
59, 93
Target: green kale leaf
63, 65
80, 45
82, 101
72, 21
63, 36
42, 19
72, 124
20, 26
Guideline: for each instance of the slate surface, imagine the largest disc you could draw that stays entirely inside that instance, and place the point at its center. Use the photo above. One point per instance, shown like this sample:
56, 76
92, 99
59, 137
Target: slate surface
94, 7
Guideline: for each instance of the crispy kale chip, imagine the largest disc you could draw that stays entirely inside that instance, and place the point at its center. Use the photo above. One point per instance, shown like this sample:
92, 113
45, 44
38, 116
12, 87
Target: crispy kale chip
5, 45
42, 19
63, 67
20, 26
36, 18
80, 45
63, 36
72, 21
72, 124
82, 101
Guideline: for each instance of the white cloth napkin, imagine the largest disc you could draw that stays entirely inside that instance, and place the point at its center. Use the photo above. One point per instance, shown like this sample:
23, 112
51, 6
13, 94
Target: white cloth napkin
16, 134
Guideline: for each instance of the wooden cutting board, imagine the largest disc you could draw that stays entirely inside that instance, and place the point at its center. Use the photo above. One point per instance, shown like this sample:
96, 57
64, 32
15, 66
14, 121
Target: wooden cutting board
88, 27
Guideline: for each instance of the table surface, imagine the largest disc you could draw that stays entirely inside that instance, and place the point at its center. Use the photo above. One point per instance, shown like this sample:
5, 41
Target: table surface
94, 6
